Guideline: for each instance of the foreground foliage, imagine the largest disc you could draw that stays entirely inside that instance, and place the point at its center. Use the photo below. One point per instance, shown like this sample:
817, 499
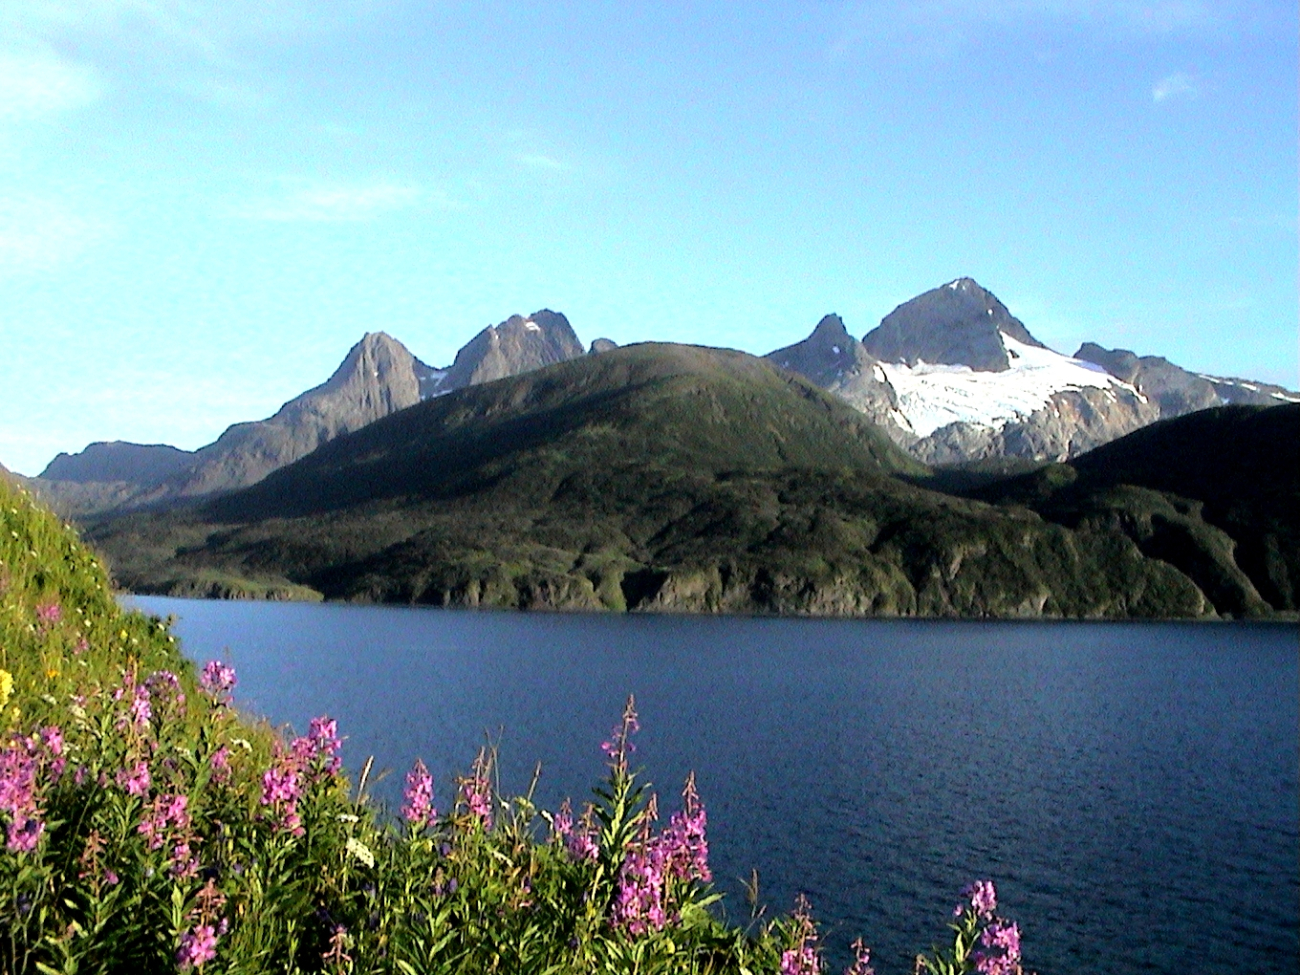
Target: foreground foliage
146, 826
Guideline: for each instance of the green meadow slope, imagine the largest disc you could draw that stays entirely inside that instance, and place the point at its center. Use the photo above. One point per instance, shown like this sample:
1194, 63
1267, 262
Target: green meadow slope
660, 477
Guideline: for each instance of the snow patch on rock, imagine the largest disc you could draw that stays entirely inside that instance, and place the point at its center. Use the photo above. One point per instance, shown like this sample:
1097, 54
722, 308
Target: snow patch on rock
933, 396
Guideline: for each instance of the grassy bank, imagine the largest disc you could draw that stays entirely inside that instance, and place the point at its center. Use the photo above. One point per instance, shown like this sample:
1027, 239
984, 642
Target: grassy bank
149, 827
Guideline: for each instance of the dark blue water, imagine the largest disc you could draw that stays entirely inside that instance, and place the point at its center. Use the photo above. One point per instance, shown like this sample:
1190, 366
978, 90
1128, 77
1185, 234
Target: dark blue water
1133, 789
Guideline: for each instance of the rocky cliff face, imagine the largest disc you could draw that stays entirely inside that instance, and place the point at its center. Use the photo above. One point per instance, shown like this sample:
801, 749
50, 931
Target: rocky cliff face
377, 377
516, 346
837, 362
117, 460
1174, 390
958, 324
1072, 422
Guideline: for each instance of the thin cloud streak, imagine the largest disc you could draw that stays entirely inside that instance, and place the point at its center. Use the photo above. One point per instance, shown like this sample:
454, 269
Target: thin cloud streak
1174, 86
336, 203
538, 161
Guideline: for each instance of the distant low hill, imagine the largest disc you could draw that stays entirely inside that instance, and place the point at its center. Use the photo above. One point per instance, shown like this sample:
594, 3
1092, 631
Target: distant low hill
660, 477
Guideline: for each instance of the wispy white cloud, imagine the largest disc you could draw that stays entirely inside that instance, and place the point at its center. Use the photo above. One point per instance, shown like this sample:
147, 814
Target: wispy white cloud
535, 160
39, 84
38, 234
337, 203
1177, 85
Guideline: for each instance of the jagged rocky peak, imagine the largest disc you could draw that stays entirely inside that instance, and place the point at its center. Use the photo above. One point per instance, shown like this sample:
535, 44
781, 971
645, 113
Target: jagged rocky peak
833, 359
519, 344
382, 376
959, 323
825, 354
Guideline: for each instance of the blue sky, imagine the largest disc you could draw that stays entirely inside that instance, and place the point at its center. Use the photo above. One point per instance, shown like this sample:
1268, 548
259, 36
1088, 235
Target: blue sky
203, 205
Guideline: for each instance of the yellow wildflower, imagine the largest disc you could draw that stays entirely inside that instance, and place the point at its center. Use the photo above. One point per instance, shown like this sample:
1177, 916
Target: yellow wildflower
6, 687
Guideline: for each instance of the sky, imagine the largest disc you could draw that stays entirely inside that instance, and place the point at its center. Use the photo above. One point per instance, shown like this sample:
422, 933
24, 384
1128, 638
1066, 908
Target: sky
205, 203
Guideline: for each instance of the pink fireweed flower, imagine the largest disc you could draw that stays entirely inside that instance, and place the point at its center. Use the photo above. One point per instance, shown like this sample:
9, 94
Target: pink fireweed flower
620, 745
562, 822
684, 841
317, 752
25, 833
184, 864
198, 946
218, 680
165, 691
861, 960
639, 900
47, 614
802, 958
21, 763
999, 952
280, 784
220, 762
166, 813
577, 838
281, 790
476, 794
135, 780
983, 900
418, 808
52, 738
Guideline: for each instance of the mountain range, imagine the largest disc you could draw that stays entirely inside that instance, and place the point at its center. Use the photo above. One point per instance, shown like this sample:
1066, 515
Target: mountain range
948, 463
951, 376
665, 477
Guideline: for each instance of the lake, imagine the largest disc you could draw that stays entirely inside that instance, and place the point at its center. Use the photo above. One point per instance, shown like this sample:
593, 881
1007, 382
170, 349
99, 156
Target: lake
1132, 789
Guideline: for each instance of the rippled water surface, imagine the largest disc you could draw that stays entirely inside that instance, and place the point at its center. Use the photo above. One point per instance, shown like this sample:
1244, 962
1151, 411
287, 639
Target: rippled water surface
1131, 788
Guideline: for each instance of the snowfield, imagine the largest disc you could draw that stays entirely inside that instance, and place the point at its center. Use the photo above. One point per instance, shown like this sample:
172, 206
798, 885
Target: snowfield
932, 396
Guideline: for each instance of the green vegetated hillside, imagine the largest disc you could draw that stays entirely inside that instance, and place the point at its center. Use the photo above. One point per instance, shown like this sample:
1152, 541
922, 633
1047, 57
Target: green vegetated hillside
1215, 493
661, 477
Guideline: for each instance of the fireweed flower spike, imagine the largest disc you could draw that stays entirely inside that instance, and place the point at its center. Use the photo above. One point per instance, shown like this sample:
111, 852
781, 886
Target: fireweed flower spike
19, 802
218, 681
802, 957
582, 840
620, 745
999, 951
983, 900
317, 752
476, 794
198, 946
418, 808
861, 960
684, 842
